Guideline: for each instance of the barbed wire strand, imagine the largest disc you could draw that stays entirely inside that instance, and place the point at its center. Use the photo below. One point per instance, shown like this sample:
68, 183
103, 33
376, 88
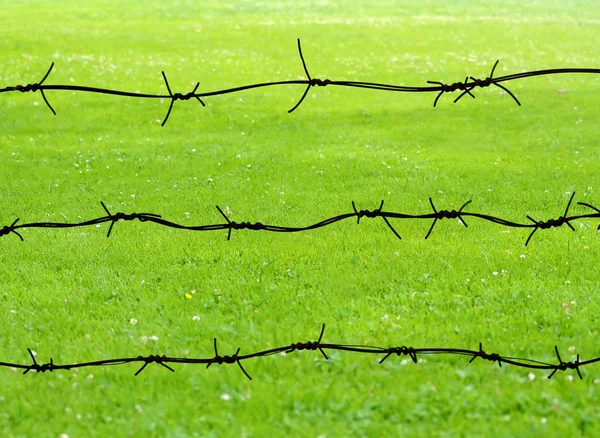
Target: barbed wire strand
467, 86
236, 358
230, 225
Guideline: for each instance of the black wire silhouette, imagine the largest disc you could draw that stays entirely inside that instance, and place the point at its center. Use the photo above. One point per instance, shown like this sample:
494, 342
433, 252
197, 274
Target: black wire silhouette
439, 87
230, 225
311, 346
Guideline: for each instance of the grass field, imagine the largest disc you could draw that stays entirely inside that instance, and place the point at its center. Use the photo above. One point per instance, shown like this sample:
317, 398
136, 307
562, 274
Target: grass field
73, 295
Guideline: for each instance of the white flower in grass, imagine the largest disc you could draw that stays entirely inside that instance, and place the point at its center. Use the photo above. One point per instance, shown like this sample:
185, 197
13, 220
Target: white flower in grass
531, 377
195, 318
225, 397
153, 338
133, 321
572, 349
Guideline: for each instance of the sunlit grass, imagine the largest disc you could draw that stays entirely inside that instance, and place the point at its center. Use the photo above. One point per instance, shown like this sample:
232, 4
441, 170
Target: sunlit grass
74, 295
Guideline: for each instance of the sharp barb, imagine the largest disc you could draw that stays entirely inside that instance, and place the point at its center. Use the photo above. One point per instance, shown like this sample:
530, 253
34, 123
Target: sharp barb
167, 366
141, 369
110, 228
493, 69
464, 205
194, 92
243, 370
321, 335
585, 204
431, 229
168, 112
569, 204
47, 74
437, 97
356, 212
300, 101
223, 214
531, 235
167, 83
432, 206
302, 59
386, 356
463, 93
105, 209
323, 353
47, 103
391, 228
557, 354
508, 91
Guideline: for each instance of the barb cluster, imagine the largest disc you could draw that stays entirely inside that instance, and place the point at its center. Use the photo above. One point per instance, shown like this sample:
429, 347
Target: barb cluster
230, 225
467, 87
236, 358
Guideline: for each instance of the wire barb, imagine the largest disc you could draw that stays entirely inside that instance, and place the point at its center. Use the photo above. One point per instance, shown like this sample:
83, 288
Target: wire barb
309, 345
179, 96
39, 368
563, 366
445, 88
227, 359
153, 359
445, 214
142, 217
11, 229
467, 87
407, 351
35, 87
552, 222
482, 354
486, 83
585, 204
311, 81
372, 214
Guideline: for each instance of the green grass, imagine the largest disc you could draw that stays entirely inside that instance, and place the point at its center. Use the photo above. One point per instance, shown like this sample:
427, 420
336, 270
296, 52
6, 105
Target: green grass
70, 294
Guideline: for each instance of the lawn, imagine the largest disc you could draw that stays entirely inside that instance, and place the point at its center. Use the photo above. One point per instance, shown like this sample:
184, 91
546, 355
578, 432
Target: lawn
75, 295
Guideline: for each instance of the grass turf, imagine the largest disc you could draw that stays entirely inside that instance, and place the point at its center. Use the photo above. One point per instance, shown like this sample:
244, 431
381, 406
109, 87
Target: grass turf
71, 294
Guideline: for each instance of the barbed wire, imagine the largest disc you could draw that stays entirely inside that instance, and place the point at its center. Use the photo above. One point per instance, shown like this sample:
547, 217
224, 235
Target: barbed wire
237, 358
467, 86
230, 225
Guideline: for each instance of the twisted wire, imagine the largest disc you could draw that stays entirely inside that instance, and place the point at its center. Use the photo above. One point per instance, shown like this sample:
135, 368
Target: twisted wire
439, 87
387, 352
230, 225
